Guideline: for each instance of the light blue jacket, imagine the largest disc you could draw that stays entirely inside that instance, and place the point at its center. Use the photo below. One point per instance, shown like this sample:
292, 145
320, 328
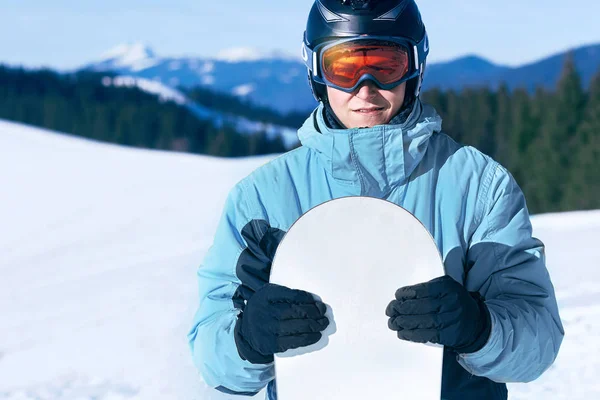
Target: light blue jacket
469, 203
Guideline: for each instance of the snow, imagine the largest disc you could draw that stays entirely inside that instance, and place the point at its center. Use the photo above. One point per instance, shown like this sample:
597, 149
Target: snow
572, 260
208, 67
100, 246
134, 56
174, 65
207, 79
138, 56
239, 54
243, 90
285, 55
128, 52
164, 92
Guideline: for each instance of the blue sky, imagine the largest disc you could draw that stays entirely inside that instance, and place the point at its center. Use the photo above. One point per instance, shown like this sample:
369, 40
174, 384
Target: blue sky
69, 33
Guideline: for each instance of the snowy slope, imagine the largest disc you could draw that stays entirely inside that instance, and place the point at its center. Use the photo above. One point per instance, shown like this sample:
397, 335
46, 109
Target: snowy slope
100, 245
240, 124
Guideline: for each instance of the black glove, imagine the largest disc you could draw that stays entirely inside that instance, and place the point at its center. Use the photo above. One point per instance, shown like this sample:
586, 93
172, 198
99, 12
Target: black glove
275, 319
441, 311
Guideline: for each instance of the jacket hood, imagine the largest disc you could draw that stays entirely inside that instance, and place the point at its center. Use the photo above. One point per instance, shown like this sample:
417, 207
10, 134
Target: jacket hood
377, 158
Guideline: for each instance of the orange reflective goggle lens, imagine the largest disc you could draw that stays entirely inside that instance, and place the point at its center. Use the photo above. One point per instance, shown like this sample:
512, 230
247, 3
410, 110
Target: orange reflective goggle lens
345, 63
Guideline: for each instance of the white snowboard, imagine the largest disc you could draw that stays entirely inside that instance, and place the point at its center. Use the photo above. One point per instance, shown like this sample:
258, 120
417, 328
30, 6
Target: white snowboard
354, 253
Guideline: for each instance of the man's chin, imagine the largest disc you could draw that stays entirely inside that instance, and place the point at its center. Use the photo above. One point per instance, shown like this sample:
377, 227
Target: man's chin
368, 121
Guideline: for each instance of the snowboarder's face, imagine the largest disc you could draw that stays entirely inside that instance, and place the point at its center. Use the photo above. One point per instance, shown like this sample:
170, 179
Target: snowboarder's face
367, 106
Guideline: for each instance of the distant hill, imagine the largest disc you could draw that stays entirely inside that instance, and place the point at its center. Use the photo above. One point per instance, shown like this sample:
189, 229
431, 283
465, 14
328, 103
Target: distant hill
272, 80
279, 82
462, 72
476, 71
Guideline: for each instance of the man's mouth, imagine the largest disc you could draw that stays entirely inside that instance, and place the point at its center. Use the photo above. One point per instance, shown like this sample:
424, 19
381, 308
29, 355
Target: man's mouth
369, 110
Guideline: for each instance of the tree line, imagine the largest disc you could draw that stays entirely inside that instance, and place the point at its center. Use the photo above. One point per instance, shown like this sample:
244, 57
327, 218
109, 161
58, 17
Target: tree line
80, 104
549, 140
243, 107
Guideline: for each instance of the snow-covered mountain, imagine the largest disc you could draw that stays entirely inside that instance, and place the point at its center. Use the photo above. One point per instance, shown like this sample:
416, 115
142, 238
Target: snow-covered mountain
475, 71
279, 81
240, 124
275, 80
100, 245
135, 57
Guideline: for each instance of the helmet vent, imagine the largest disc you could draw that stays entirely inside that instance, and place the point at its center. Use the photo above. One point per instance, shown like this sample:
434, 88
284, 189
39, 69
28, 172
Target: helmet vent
328, 15
394, 13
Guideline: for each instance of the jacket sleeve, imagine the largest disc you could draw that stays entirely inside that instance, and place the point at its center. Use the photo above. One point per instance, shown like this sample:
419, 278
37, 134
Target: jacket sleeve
211, 338
507, 265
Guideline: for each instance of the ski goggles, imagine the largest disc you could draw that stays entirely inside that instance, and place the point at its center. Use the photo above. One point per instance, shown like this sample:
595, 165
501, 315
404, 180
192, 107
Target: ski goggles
345, 64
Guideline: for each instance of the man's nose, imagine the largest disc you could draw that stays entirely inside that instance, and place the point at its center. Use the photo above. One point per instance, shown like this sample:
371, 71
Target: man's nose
367, 89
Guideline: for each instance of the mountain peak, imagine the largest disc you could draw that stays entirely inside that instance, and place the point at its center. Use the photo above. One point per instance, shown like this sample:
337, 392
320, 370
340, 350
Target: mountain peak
469, 59
135, 56
238, 54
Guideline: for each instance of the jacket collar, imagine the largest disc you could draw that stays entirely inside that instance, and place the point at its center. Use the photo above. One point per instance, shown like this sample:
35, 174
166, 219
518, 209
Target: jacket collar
377, 158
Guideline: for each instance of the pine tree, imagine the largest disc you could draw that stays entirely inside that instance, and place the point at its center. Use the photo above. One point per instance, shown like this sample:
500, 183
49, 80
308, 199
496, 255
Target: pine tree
549, 156
503, 130
453, 124
583, 185
522, 131
477, 119
438, 99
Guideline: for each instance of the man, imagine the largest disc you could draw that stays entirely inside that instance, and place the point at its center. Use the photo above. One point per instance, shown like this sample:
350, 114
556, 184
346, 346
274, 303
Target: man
494, 311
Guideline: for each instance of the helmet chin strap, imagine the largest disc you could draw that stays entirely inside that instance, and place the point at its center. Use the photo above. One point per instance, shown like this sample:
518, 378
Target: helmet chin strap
330, 117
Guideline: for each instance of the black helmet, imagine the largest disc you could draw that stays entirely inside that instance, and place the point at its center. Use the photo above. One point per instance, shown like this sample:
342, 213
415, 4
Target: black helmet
331, 20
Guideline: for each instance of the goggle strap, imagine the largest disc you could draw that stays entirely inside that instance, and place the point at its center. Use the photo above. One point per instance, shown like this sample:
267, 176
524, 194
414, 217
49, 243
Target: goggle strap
416, 51
422, 48
418, 89
309, 58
